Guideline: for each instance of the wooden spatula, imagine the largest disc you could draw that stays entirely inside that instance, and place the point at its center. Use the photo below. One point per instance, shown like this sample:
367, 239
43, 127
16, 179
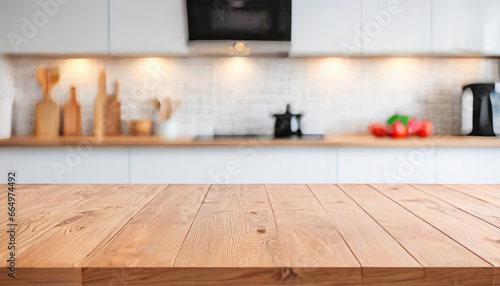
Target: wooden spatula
99, 106
112, 114
47, 111
72, 116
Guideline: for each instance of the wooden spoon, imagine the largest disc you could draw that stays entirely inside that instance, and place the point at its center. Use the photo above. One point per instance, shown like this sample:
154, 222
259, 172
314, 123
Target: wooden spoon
54, 78
43, 76
168, 105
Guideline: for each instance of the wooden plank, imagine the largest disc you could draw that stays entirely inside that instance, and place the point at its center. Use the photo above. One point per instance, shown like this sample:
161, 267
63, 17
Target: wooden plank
474, 206
377, 251
84, 226
307, 234
33, 218
435, 251
40, 276
488, 193
155, 235
496, 276
234, 228
242, 276
473, 233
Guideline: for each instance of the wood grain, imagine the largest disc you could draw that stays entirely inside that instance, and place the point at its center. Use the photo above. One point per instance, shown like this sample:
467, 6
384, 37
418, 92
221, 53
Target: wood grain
59, 202
245, 276
72, 116
371, 244
234, 228
99, 106
85, 226
47, 121
307, 233
473, 233
487, 193
329, 141
252, 235
474, 206
428, 246
41, 276
155, 235
112, 114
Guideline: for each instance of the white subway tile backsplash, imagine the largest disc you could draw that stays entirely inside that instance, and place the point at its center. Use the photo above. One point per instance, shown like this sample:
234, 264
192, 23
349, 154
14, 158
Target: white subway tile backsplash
239, 95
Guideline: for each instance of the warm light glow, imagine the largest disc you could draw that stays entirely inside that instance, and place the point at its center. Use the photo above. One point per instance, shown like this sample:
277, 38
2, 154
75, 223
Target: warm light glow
332, 70
334, 66
239, 65
153, 65
399, 68
81, 67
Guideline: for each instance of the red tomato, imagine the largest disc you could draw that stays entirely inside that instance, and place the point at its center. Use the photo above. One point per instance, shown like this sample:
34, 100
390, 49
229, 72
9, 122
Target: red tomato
413, 126
398, 130
426, 129
374, 126
379, 132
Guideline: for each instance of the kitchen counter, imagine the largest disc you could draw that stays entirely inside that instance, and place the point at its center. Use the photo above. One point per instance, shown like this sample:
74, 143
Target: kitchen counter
361, 140
318, 234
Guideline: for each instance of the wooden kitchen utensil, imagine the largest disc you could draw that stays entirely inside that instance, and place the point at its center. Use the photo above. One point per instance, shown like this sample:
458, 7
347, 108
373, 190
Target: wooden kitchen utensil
112, 114
167, 108
47, 122
72, 116
99, 106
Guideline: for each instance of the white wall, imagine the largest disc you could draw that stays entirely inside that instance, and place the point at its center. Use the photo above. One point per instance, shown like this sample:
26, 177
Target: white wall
239, 95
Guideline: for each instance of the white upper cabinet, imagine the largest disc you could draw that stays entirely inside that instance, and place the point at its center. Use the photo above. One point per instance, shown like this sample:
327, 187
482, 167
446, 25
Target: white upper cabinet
466, 27
148, 27
54, 26
392, 27
326, 27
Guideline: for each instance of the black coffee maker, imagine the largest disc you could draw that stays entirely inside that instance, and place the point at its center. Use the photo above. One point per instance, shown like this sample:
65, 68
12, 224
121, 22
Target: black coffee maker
477, 111
287, 124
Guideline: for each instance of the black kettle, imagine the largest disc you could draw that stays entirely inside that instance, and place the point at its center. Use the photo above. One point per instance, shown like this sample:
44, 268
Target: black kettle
287, 124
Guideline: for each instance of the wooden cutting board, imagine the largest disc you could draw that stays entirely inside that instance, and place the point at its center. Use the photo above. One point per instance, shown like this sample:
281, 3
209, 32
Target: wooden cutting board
99, 106
47, 122
72, 116
112, 114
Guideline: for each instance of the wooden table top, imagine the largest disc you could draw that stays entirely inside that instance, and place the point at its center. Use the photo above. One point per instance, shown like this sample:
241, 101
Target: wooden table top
255, 235
345, 140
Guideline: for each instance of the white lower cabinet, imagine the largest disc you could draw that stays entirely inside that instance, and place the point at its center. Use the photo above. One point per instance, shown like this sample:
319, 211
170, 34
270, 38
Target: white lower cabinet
386, 165
250, 164
246, 164
60, 165
468, 165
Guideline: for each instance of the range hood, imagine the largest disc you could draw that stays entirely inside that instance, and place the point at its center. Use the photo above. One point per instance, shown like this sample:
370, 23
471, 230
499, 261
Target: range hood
239, 27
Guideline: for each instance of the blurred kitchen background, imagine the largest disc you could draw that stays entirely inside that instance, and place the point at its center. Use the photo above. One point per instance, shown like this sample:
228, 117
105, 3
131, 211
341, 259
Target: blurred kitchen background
343, 64
238, 95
